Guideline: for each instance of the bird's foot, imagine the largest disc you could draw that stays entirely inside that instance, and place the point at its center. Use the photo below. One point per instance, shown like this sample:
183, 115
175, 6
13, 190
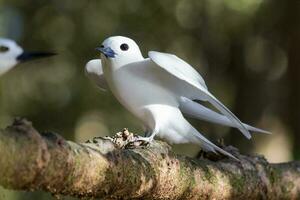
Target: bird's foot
144, 139
139, 141
128, 140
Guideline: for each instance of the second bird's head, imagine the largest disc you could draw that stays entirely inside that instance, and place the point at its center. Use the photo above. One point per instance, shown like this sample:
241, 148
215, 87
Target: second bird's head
11, 54
119, 49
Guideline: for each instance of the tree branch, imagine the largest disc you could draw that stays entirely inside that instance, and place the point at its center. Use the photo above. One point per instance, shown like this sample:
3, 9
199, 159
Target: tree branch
103, 168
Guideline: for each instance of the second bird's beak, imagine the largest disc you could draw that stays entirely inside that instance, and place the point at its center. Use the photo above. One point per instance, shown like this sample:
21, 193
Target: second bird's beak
107, 51
26, 56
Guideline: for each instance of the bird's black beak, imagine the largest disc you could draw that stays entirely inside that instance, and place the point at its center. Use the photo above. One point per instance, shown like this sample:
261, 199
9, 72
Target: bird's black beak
26, 56
107, 51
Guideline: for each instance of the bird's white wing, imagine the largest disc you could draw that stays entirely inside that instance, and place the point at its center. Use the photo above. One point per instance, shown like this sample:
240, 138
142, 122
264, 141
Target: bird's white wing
94, 71
186, 73
177, 67
198, 111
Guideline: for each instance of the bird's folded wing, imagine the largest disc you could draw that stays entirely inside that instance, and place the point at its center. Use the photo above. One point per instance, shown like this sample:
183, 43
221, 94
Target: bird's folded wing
94, 71
185, 72
198, 111
177, 67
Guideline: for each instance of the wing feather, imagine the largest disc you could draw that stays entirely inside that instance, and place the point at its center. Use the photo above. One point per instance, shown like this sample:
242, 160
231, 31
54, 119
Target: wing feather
94, 71
185, 72
198, 111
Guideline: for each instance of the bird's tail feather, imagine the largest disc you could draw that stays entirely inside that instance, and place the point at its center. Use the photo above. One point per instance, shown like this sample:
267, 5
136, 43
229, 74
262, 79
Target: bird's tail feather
225, 111
209, 146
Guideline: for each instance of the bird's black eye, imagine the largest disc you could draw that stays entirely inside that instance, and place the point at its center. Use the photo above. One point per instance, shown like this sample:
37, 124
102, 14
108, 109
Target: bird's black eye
3, 49
124, 47
102, 46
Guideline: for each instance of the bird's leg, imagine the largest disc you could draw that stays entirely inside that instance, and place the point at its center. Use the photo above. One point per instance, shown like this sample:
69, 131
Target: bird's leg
148, 139
140, 141
145, 139
147, 133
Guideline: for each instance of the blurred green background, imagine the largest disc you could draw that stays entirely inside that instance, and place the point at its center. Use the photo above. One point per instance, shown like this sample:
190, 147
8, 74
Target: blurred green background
246, 50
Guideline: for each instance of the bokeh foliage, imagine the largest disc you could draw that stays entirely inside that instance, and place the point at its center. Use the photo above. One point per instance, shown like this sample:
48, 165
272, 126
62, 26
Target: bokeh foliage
247, 51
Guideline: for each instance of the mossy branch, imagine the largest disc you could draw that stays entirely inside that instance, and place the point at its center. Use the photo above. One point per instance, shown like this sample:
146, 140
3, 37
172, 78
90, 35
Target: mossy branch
103, 168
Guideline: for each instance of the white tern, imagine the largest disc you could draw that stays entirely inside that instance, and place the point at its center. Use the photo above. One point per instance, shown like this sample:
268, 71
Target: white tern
11, 54
159, 91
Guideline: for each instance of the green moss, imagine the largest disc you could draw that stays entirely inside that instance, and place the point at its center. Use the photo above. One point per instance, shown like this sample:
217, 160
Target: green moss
209, 175
193, 182
274, 175
182, 170
238, 182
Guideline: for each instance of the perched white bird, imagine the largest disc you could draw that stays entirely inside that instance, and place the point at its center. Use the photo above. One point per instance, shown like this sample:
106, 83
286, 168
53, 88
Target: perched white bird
160, 90
11, 54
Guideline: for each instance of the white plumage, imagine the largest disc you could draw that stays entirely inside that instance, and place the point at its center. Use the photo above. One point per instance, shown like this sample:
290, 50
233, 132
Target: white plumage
159, 90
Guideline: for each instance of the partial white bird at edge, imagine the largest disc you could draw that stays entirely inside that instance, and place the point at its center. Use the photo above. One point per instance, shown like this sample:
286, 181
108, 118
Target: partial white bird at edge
11, 54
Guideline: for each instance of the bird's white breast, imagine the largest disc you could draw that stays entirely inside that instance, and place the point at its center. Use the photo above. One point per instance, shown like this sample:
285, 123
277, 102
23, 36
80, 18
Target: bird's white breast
137, 87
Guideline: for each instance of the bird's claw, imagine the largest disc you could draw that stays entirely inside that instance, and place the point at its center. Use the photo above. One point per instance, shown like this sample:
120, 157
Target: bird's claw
128, 140
139, 141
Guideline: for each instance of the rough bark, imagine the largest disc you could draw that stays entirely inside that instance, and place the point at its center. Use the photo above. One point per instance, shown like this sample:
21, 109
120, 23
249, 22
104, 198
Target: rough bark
104, 168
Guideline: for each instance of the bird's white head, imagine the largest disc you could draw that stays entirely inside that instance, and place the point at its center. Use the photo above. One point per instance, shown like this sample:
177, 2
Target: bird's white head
119, 50
11, 54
